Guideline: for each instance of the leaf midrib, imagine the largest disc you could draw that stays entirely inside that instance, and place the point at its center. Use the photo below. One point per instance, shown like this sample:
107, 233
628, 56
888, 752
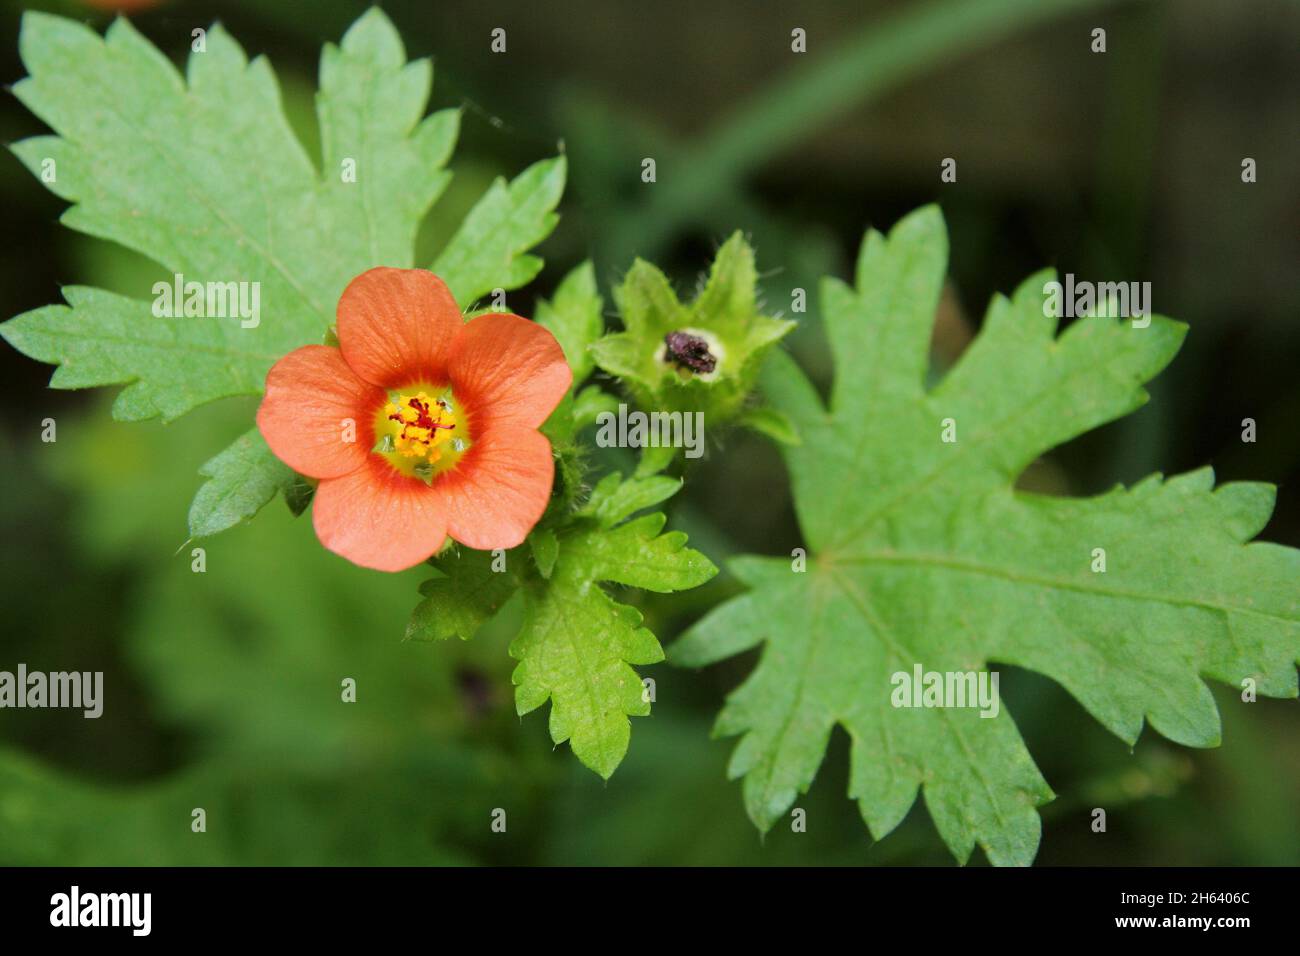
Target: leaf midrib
904, 653
1017, 576
179, 345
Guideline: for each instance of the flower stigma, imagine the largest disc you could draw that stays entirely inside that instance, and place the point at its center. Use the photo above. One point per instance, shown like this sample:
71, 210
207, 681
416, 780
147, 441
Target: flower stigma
420, 432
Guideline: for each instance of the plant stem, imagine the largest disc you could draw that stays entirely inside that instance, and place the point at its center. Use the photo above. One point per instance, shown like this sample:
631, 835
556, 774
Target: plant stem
883, 55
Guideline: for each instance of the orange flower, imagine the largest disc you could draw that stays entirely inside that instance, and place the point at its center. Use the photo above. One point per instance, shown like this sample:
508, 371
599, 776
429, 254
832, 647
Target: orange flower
419, 425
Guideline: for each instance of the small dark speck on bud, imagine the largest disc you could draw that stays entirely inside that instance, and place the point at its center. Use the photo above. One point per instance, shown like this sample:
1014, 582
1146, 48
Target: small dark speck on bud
689, 352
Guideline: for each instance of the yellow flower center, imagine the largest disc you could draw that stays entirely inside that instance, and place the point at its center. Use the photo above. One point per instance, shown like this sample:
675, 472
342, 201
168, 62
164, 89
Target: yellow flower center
421, 432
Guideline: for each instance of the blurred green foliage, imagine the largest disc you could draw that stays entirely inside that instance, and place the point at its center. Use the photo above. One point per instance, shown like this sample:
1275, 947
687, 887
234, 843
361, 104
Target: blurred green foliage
224, 688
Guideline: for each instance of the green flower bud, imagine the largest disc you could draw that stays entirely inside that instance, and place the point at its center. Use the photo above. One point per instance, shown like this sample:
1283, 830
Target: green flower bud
699, 356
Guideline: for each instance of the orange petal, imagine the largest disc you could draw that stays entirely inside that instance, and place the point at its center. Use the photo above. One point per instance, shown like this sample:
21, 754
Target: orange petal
499, 489
311, 396
395, 326
508, 371
379, 519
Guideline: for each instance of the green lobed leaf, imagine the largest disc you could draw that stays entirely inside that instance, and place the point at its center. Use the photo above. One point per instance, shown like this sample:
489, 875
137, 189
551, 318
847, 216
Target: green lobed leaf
298, 494
203, 174
545, 546
474, 586
241, 480
574, 318
614, 498
590, 403
170, 366
771, 422
921, 552
488, 251
654, 459
577, 645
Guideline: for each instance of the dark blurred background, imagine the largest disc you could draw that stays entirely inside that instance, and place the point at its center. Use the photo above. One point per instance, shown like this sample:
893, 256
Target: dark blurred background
224, 688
